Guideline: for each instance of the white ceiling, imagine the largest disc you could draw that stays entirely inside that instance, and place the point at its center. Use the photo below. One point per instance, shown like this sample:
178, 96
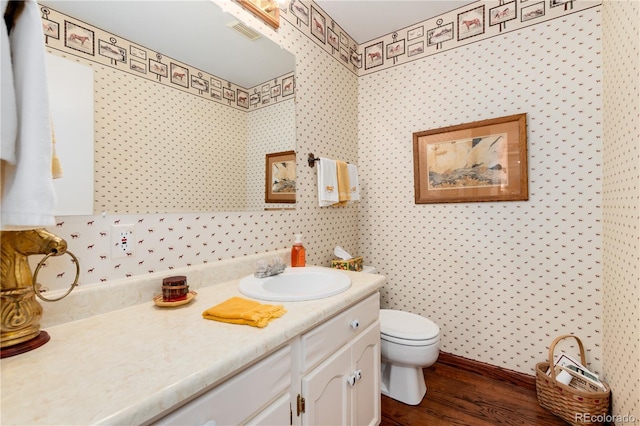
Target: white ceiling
365, 20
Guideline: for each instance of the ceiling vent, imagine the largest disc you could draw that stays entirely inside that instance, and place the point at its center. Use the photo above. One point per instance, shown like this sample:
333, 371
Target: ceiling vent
249, 33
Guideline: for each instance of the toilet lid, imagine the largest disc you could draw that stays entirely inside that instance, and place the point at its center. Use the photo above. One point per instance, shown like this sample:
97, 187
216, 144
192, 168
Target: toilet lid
407, 326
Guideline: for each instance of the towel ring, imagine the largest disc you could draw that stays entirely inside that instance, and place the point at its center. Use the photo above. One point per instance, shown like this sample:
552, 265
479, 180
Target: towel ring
74, 284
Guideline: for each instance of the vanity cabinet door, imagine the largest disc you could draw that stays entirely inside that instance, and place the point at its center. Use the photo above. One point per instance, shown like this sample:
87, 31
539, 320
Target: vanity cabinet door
365, 358
326, 391
345, 388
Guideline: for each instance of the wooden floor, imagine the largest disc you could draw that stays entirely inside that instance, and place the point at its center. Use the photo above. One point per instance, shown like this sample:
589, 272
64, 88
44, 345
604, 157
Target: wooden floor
459, 397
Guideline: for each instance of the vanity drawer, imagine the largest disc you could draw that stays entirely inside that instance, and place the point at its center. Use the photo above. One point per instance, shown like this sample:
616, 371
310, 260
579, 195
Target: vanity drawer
325, 339
240, 397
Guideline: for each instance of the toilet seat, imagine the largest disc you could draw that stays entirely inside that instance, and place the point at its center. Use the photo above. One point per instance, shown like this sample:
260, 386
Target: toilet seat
406, 328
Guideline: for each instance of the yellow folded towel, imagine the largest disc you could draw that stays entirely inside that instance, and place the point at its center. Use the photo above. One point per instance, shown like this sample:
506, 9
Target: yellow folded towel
344, 185
237, 310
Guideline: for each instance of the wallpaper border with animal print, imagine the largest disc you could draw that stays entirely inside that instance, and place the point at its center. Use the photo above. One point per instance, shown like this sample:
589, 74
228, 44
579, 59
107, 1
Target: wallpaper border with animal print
79, 40
508, 16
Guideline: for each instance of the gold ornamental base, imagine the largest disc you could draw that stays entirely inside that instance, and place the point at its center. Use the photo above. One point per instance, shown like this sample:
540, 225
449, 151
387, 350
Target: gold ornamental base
21, 315
20, 312
42, 338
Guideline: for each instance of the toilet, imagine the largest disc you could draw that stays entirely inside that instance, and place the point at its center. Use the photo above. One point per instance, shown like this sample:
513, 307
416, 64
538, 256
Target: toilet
408, 343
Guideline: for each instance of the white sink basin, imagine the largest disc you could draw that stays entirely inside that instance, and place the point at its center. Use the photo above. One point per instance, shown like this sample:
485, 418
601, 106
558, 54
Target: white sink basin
296, 284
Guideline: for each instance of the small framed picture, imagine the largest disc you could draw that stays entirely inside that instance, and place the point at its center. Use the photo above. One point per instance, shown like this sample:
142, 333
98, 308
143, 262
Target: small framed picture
79, 38
275, 90
415, 33
344, 55
356, 59
440, 34
51, 28
179, 75
373, 55
288, 86
503, 13
480, 161
157, 67
111, 51
138, 66
280, 179
229, 94
395, 49
243, 98
534, 11
254, 99
332, 39
318, 25
416, 48
137, 52
199, 83
471, 23
300, 11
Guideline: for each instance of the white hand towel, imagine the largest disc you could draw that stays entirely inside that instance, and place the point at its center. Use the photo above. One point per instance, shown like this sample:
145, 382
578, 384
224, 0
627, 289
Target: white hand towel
9, 124
28, 197
354, 185
327, 182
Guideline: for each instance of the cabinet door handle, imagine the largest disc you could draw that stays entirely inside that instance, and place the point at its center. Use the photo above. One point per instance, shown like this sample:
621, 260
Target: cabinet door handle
357, 374
351, 379
355, 324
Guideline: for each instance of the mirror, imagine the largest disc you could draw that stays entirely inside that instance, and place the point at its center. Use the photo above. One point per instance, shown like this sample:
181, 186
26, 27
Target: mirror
186, 108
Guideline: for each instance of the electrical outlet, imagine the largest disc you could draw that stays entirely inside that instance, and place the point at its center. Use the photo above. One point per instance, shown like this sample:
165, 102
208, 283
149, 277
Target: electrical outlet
122, 241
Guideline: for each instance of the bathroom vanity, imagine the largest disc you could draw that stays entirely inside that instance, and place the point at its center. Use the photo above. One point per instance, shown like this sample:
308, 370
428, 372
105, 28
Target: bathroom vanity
328, 375
144, 364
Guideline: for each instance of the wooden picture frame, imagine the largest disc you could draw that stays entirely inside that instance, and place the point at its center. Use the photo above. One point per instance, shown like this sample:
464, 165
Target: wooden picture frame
267, 10
280, 177
480, 161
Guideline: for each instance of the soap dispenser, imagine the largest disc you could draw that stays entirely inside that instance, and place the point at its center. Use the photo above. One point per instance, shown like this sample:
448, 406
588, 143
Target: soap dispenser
298, 252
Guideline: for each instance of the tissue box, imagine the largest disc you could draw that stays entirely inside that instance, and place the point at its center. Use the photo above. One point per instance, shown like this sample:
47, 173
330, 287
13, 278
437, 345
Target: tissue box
353, 264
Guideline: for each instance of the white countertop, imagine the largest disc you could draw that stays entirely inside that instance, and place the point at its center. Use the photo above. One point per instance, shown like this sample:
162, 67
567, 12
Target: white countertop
130, 365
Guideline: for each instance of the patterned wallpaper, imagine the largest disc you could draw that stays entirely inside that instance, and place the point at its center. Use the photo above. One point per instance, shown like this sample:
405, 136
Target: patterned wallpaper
326, 106
270, 130
621, 203
141, 147
469, 24
87, 42
501, 279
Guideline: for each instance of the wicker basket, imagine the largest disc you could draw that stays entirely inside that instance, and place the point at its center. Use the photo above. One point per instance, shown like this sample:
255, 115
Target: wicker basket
575, 406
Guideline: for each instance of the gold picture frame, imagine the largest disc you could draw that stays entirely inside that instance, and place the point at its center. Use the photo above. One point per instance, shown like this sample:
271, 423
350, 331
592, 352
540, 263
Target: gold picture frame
280, 178
267, 10
480, 161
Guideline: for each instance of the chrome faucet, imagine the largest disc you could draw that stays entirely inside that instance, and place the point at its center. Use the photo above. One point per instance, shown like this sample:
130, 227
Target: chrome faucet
264, 269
